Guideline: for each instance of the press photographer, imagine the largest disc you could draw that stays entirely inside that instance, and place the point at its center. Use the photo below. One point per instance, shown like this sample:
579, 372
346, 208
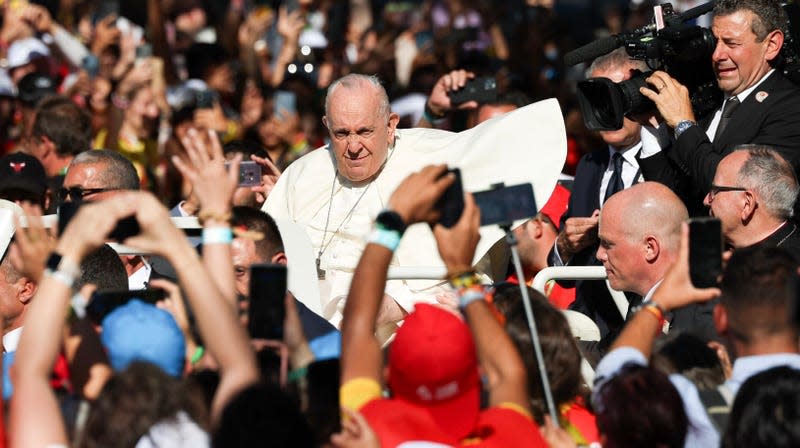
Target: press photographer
760, 104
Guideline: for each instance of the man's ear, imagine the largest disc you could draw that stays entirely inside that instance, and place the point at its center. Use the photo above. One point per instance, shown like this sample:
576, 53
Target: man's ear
749, 206
393, 120
720, 317
774, 41
652, 248
27, 289
279, 258
325, 122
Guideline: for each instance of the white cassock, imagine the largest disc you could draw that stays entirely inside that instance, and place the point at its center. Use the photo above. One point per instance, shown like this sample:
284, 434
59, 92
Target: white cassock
525, 145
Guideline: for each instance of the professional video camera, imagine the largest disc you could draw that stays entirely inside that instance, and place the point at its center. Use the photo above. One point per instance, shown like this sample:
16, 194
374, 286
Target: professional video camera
668, 44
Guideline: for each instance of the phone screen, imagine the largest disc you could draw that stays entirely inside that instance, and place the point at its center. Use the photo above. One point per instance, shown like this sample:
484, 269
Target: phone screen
506, 204
285, 103
103, 303
451, 204
705, 251
266, 310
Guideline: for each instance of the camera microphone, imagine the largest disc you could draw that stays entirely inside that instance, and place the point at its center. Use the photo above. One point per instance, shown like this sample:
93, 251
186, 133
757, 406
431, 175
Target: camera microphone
593, 50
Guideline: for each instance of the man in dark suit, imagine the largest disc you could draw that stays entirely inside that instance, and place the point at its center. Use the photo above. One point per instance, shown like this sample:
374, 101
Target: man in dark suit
599, 174
761, 106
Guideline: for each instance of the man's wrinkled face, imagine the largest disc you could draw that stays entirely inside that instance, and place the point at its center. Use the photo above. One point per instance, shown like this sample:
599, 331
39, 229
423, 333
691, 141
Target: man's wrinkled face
727, 205
619, 253
629, 133
360, 135
739, 60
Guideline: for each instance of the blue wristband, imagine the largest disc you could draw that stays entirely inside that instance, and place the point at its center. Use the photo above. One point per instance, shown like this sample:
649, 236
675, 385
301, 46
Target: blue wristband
389, 239
217, 235
469, 295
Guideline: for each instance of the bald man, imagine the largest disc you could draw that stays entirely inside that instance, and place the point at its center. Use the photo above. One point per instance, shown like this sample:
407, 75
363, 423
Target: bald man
639, 233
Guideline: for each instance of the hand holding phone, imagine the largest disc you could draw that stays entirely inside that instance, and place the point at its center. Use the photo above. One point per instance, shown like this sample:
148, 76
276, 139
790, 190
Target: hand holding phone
480, 90
451, 203
125, 228
249, 173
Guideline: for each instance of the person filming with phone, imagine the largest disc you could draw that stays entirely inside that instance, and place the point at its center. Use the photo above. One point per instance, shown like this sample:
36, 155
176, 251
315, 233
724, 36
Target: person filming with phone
753, 195
760, 105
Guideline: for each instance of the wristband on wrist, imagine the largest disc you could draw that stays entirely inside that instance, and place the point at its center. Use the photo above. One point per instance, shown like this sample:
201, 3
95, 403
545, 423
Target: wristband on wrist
205, 215
198, 354
217, 235
428, 114
469, 295
464, 280
62, 269
389, 239
655, 310
390, 220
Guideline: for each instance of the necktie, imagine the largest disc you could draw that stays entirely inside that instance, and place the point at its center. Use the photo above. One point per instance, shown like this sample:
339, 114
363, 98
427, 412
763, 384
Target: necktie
615, 183
727, 111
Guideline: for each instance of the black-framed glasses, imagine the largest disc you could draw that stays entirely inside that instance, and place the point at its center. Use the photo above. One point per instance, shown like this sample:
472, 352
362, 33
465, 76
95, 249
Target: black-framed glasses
76, 194
716, 189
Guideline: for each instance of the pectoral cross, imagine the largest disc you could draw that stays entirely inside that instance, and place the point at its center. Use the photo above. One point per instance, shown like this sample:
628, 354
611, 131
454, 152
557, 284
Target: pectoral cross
320, 271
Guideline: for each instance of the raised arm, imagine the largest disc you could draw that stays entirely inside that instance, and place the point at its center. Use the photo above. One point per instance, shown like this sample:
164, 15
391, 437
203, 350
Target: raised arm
213, 186
413, 201
35, 415
507, 379
219, 326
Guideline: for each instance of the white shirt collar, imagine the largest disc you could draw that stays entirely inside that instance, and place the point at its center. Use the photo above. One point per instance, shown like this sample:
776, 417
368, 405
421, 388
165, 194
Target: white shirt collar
11, 340
746, 92
139, 279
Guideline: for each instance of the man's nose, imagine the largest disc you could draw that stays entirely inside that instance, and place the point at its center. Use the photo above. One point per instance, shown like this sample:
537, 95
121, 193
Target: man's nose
719, 53
707, 200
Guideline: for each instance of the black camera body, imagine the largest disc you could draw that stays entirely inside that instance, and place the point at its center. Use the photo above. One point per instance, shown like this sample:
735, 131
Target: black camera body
684, 51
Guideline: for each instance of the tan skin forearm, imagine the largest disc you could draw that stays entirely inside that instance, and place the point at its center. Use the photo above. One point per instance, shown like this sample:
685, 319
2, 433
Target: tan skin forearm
361, 353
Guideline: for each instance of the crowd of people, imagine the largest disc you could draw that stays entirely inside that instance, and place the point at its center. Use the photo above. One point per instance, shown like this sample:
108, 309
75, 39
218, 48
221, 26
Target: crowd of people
240, 223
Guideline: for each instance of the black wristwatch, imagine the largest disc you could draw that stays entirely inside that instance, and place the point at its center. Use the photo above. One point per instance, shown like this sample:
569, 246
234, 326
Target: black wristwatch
390, 220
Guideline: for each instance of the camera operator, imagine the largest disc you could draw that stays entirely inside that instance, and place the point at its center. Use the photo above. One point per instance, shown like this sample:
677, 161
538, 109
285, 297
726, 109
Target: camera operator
761, 105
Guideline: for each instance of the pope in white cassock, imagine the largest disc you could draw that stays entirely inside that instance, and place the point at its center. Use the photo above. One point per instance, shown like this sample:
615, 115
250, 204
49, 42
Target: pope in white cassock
335, 192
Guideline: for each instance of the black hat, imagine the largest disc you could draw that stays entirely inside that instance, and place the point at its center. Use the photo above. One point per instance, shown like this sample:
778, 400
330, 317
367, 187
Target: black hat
35, 86
24, 173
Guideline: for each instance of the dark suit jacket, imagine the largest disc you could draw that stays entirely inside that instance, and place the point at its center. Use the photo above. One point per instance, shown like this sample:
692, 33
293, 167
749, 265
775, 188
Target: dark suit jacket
688, 166
591, 297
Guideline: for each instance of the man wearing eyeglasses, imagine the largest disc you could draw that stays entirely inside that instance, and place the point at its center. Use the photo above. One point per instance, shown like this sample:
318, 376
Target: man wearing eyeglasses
101, 174
753, 195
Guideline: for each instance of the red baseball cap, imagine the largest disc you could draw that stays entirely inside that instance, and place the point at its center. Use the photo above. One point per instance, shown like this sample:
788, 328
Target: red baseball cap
433, 365
556, 205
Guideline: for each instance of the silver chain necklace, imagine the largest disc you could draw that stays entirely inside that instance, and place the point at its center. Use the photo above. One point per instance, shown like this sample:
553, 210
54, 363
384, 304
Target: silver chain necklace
324, 245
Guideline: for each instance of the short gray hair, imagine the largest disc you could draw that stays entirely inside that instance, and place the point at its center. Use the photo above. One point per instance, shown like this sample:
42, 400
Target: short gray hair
354, 81
771, 177
618, 58
119, 173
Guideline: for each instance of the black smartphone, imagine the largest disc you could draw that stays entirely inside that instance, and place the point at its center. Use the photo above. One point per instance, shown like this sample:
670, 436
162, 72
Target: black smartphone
451, 203
705, 251
267, 310
482, 90
103, 303
125, 228
292, 5
504, 205
205, 99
